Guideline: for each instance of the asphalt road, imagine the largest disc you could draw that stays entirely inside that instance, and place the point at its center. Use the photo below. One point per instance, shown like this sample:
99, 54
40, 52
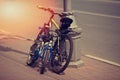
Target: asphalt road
99, 21
98, 6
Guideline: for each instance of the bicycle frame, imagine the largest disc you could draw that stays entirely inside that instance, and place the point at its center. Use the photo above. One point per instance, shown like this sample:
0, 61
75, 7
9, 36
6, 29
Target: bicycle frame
51, 20
46, 47
56, 25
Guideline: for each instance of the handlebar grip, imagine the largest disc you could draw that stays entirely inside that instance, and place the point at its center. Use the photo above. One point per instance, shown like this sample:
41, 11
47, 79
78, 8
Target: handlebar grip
41, 7
46, 9
38, 6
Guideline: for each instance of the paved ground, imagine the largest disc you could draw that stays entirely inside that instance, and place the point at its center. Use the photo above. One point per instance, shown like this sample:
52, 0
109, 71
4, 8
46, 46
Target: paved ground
12, 68
92, 70
96, 70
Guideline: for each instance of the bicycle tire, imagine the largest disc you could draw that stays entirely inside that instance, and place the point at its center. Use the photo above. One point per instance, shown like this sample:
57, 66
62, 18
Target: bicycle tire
32, 56
54, 62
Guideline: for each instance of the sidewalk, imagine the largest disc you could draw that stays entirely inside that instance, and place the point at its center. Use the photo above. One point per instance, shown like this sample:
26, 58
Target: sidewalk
92, 70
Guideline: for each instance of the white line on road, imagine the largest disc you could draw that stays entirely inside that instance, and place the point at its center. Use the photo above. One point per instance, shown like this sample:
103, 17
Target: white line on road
103, 60
96, 14
91, 13
108, 1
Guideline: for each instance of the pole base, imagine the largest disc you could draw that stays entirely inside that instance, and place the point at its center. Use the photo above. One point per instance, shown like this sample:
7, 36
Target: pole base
76, 64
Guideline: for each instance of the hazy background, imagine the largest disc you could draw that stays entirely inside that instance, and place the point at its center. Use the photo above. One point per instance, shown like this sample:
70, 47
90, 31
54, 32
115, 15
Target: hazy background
19, 21
22, 17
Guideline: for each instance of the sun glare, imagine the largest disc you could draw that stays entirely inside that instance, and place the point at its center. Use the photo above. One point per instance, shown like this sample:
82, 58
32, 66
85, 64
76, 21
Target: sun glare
22, 16
10, 9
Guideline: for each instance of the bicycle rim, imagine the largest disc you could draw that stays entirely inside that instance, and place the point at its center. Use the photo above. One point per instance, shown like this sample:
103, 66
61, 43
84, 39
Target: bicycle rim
33, 55
30, 60
63, 55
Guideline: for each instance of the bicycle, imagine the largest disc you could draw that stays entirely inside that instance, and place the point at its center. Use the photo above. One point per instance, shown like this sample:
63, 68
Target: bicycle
51, 46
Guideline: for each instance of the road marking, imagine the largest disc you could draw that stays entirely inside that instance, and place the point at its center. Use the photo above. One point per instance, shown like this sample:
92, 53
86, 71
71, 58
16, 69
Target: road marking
103, 60
90, 13
109, 1
96, 14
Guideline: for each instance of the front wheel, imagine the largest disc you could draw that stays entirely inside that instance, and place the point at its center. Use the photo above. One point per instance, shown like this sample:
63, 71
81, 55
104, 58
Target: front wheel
63, 50
33, 55
30, 60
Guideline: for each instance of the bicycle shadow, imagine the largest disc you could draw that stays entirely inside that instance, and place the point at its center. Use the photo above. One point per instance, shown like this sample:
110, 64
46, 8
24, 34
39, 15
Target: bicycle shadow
7, 49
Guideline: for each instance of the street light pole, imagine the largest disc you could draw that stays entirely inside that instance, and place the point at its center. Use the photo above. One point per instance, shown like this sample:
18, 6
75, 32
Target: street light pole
67, 9
75, 61
67, 5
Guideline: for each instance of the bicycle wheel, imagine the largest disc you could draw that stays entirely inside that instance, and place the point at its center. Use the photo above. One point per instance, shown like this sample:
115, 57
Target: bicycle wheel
63, 50
33, 55
30, 60
45, 61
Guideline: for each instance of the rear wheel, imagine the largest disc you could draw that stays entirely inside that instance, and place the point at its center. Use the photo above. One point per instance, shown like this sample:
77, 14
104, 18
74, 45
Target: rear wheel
63, 50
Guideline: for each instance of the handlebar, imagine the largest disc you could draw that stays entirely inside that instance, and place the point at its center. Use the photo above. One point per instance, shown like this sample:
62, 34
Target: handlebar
52, 11
49, 10
62, 15
45, 9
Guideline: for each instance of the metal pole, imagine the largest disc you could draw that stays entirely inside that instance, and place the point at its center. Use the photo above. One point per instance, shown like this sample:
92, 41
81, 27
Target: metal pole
67, 5
75, 61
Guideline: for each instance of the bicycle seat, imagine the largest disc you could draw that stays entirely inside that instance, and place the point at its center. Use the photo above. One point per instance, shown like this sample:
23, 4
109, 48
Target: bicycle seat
65, 23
